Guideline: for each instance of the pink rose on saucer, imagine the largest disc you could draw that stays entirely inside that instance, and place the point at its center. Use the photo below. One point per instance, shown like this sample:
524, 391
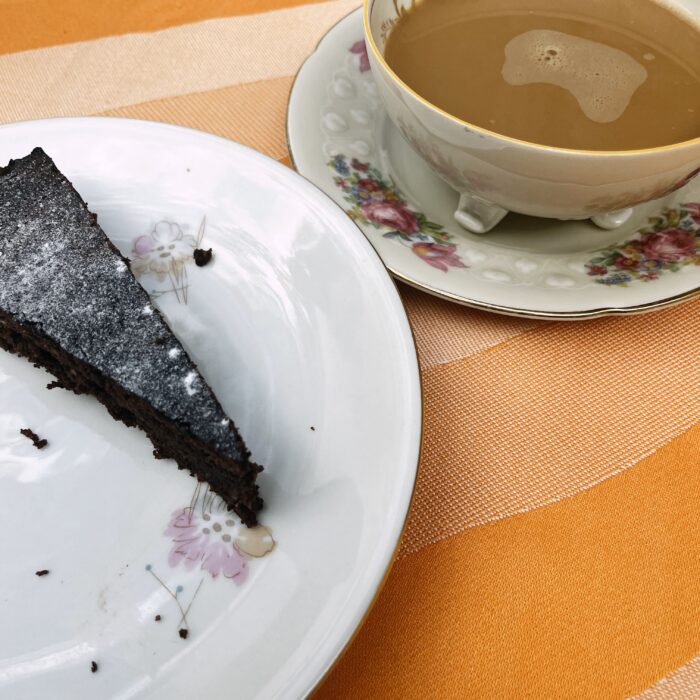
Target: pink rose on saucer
694, 210
671, 244
368, 184
360, 48
440, 255
391, 214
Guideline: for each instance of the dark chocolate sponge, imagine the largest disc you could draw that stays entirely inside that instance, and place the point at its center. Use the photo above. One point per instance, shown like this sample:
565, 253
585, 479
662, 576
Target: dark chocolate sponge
69, 302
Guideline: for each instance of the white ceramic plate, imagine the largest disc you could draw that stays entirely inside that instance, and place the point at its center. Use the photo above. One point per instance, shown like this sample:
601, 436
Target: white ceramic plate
341, 139
295, 324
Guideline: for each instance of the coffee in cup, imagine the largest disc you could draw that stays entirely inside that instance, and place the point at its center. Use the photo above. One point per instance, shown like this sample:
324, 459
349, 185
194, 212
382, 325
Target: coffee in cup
603, 76
554, 108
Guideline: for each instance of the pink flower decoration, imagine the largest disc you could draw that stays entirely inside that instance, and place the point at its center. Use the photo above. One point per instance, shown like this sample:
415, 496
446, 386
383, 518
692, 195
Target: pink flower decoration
440, 255
358, 165
668, 245
360, 48
227, 560
624, 262
597, 270
694, 210
193, 546
649, 276
366, 183
143, 245
391, 214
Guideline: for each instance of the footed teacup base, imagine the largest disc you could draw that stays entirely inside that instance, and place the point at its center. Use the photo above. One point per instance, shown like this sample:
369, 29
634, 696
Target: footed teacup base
613, 219
477, 215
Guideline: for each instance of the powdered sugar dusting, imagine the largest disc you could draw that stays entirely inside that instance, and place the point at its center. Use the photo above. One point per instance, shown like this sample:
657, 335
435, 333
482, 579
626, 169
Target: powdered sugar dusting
60, 274
189, 381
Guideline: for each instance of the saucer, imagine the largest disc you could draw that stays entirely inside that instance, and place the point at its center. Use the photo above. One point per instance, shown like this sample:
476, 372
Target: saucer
341, 139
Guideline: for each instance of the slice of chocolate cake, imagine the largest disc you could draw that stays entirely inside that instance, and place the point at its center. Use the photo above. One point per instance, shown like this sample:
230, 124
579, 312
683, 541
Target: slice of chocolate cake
69, 303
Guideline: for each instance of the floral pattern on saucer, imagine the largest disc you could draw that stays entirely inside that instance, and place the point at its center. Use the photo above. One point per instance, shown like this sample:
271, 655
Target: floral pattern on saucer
360, 48
670, 242
377, 203
525, 267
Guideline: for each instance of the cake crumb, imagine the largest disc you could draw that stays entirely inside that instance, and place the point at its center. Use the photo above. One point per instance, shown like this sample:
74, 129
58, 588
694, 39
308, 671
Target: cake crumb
183, 633
55, 384
202, 257
312, 428
42, 572
39, 443
157, 618
93, 666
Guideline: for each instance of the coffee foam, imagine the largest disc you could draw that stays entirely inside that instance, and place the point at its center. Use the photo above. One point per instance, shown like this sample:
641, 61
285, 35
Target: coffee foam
601, 78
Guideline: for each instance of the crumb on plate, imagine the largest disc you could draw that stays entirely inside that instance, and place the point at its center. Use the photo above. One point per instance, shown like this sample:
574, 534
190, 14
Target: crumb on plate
202, 257
38, 442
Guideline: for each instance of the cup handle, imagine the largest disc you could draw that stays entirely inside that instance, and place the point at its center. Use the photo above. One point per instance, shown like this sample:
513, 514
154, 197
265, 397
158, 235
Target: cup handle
477, 214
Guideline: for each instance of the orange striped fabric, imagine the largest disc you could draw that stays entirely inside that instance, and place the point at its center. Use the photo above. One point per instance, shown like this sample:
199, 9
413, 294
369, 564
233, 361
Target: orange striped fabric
31, 24
553, 547
596, 596
252, 113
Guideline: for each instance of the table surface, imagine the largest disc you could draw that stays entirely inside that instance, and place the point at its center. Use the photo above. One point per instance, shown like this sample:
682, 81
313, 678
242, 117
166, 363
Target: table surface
553, 546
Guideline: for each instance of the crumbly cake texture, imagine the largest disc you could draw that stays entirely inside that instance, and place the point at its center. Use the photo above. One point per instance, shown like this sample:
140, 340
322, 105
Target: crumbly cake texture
70, 303
202, 257
39, 443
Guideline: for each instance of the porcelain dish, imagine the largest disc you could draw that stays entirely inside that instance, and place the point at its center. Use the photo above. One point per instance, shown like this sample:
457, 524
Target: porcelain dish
341, 139
495, 174
301, 334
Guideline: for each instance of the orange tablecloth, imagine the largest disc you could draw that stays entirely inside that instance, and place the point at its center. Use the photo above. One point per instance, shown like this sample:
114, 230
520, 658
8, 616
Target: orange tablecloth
553, 547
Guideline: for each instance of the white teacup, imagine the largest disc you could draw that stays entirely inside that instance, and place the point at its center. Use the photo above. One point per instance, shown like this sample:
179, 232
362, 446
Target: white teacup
496, 174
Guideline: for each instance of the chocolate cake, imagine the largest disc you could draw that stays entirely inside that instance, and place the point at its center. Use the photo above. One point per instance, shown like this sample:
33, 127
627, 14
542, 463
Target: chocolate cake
70, 304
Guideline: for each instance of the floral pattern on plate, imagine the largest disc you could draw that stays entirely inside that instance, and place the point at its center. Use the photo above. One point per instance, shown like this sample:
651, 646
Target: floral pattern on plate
164, 253
377, 203
207, 537
670, 242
